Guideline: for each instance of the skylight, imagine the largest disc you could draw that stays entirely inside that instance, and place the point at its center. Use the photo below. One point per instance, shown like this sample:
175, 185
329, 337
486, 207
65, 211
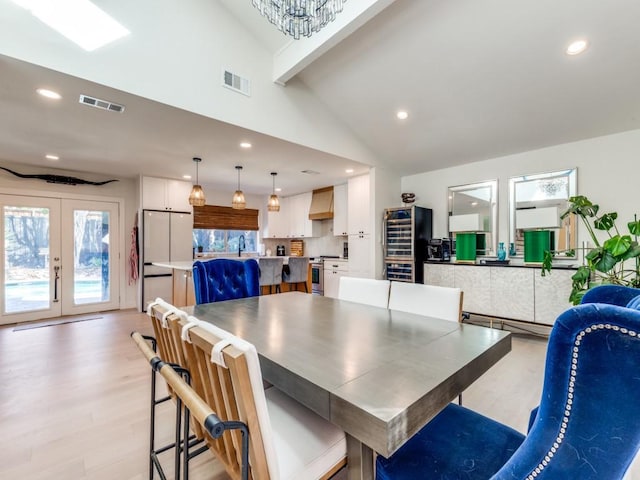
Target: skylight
80, 21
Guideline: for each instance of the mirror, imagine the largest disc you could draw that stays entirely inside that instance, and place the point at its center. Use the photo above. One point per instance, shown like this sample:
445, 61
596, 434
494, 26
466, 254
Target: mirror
543, 191
477, 199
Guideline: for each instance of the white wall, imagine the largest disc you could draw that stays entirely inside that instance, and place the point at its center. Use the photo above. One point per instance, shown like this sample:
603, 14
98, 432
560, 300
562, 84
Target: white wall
124, 189
175, 55
607, 175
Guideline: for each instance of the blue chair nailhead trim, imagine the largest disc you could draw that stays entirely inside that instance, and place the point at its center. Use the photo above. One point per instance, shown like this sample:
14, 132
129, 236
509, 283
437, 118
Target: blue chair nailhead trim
572, 381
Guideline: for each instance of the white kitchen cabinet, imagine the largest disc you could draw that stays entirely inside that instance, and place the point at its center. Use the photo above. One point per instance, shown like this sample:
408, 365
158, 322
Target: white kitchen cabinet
359, 205
278, 222
299, 224
334, 270
165, 194
361, 256
340, 226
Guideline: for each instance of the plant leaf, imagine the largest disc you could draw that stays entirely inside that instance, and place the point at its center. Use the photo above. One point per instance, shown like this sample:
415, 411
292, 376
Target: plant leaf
634, 227
606, 221
581, 277
633, 252
605, 262
582, 206
618, 245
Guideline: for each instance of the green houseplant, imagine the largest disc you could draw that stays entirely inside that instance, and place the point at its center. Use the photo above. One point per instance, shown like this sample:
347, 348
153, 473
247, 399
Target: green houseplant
615, 260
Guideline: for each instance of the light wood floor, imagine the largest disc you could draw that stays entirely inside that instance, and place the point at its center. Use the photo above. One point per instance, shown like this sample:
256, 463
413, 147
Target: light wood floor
74, 401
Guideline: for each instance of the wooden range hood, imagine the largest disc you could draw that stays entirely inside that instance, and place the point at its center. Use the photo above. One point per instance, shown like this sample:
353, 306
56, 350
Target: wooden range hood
321, 204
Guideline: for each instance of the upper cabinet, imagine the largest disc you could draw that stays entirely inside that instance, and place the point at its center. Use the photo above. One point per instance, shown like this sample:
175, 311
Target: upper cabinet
299, 224
165, 194
340, 226
278, 222
359, 206
292, 221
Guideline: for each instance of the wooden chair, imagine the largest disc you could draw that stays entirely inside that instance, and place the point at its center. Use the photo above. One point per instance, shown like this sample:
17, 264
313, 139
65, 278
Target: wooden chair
164, 319
287, 440
428, 300
195, 407
365, 290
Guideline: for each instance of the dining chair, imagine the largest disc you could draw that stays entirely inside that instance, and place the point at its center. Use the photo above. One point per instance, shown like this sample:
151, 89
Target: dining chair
428, 300
164, 319
286, 440
270, 272
586, 426
297, 272
195, 407
222, 279
364, 290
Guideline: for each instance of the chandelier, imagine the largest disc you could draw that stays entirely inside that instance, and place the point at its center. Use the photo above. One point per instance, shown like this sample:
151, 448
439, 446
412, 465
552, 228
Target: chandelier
299, 17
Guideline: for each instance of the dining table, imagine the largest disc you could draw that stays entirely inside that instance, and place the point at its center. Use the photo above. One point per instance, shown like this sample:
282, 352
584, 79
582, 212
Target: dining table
378, 374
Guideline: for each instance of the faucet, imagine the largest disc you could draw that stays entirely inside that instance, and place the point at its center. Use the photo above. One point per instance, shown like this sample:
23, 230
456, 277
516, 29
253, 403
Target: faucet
241, 244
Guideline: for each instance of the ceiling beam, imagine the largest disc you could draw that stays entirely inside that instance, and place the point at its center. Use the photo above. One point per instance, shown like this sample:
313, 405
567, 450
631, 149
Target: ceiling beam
298, 54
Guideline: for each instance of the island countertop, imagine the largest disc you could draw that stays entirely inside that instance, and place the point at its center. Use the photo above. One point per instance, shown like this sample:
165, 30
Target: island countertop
187, 265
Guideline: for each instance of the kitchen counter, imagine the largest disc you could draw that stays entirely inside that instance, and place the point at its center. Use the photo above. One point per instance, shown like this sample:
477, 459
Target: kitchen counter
187, 265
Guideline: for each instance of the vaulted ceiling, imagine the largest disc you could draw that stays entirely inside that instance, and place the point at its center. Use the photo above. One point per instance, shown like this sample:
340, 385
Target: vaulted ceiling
478, 79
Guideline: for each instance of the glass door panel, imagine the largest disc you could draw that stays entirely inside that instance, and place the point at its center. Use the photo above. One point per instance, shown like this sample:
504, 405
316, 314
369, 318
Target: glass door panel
30, 270
91, 258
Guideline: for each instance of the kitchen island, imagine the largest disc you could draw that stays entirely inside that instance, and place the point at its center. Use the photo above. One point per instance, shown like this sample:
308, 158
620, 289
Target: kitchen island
183, 289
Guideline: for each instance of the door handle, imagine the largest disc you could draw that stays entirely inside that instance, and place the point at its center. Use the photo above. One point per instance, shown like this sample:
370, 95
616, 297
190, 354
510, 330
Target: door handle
56, 270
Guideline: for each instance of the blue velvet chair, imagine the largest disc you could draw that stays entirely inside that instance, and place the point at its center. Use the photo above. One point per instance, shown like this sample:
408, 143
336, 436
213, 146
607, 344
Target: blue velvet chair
225, 279
586, 427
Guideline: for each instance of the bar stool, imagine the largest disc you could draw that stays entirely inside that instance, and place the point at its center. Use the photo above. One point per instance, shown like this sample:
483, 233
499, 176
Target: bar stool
298, 271
270, 272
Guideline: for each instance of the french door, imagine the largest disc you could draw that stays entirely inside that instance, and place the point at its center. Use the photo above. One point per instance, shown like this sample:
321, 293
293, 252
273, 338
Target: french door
58, 258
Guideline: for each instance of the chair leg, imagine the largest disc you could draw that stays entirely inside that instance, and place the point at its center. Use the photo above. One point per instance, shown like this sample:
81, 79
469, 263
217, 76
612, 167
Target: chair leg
460, 399
306, 289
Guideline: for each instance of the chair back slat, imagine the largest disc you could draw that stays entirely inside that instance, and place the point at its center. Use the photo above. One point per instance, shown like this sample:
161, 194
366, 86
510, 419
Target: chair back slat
230, 390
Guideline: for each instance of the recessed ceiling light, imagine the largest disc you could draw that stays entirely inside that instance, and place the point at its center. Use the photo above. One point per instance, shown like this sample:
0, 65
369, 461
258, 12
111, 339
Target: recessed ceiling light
186, 177
402, 115
577, 47
245, 145
80, 21
278, 189
474, 204
349, 170
49, 93
49, 156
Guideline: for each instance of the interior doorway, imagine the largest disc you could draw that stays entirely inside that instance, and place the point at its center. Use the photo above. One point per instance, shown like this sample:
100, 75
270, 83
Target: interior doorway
58, 257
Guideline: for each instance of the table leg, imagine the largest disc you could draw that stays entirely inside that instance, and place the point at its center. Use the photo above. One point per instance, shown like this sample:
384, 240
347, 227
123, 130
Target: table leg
359, 460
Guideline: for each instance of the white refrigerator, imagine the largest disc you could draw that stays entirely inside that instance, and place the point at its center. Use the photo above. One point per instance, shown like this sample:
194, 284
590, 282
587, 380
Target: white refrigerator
167, 237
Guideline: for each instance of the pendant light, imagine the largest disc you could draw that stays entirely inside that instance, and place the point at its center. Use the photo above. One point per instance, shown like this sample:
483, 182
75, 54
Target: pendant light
196, 197
238, 201
274, 204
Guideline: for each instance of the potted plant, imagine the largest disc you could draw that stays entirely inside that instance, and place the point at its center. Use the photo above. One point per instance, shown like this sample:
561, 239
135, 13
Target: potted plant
608, 261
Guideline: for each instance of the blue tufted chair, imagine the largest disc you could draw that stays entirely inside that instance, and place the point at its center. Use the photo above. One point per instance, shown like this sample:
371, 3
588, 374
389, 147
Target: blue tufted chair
225, 279
611, 294
586, 428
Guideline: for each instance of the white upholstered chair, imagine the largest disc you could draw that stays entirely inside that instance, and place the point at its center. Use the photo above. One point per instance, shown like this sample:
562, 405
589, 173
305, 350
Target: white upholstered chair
428, 300
364, 290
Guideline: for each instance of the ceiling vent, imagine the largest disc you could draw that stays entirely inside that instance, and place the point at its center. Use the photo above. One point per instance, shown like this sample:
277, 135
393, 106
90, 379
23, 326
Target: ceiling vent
236, 82
310, 172
102, 104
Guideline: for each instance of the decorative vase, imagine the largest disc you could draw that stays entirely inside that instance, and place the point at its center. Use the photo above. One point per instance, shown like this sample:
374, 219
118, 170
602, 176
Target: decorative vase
512, 249
502, 253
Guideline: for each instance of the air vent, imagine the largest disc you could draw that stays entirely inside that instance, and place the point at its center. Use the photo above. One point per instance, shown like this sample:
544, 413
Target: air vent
310, 172
102, 104
236, 82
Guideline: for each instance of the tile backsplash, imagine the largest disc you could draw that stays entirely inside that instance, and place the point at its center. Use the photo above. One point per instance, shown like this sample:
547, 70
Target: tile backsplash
326, 244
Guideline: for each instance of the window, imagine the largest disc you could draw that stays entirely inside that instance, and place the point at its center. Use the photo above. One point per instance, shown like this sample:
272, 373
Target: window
224, 241
218, 229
